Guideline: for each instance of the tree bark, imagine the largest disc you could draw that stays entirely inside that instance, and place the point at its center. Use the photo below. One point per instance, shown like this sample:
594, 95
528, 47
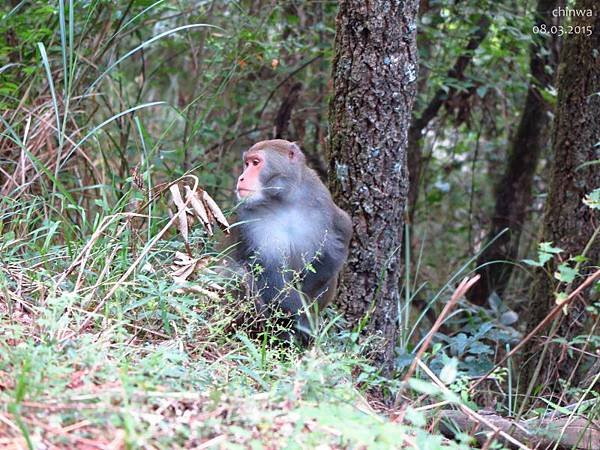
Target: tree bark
374, 80
513, 191
569, 223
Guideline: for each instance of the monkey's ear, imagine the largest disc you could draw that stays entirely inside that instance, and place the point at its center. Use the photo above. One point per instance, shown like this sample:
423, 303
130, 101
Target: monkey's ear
294, 150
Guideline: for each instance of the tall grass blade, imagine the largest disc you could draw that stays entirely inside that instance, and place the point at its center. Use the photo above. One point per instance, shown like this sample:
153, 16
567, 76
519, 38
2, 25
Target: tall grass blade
14, 10
71, 38
46, 64
146, 44
144, 11
63, 42
106, 122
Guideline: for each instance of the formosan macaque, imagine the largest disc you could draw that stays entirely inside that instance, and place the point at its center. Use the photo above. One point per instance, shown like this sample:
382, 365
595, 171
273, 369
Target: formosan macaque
292, 238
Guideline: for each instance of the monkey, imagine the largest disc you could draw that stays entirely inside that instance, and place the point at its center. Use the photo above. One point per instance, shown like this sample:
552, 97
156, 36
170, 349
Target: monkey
292, 238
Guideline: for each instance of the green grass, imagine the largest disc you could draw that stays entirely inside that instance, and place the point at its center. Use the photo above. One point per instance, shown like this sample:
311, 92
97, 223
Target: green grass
99, 347
157, 368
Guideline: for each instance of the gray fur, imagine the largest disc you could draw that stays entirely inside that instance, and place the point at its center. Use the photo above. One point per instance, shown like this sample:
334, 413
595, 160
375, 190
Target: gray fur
291, 225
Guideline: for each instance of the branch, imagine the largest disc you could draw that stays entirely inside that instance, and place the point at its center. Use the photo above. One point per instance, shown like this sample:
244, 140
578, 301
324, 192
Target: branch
551, 315
457, 72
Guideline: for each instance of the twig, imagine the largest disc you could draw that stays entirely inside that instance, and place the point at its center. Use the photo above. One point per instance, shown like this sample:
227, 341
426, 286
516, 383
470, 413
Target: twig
551, 315
460, 291
290, 75
133, 266
469, 412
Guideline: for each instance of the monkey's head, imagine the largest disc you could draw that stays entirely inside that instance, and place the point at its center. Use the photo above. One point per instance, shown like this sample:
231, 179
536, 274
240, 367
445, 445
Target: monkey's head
271, 169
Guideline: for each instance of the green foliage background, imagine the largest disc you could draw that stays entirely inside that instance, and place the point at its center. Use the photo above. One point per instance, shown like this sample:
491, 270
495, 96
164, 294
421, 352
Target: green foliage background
102, 101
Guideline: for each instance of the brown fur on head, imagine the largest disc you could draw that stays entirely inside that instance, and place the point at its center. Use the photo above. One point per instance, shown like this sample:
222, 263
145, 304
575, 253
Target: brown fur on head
291, 150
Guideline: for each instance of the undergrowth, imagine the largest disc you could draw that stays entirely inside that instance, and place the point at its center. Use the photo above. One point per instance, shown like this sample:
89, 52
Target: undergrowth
156, 367
99, 346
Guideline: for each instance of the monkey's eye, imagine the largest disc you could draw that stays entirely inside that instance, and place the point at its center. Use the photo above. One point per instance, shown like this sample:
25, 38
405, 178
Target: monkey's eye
255, 162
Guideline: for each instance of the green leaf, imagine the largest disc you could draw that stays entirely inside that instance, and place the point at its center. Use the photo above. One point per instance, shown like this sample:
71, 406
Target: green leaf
565, 273
449, 372
544, 257
545, 253
593, 199
557, 407
579, 259
560, 297
417, 418
546, 247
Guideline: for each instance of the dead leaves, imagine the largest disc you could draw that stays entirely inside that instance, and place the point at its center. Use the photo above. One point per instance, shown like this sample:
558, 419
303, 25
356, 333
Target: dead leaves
185, 266
182, 220
215, 211
199, 208
194, 205
197, 205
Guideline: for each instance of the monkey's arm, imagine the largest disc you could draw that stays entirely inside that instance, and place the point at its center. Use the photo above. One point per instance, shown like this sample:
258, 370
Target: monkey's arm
321, 282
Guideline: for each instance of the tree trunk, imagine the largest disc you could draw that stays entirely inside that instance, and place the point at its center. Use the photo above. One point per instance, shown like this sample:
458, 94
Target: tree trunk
513, 192
568, 223
374, 81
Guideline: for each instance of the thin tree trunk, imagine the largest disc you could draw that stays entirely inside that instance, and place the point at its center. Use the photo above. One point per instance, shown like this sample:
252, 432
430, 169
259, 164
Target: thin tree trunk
513, 192
374, 80
568, 222
418, 125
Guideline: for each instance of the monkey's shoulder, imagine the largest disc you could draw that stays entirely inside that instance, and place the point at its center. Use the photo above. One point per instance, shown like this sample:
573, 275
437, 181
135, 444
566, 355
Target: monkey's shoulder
342, 222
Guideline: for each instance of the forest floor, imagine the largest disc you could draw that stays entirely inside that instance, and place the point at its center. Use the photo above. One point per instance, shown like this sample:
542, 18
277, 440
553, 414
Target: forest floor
152, 367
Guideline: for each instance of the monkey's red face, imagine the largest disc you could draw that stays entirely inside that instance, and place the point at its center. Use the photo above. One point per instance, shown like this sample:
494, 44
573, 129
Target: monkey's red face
248, 183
